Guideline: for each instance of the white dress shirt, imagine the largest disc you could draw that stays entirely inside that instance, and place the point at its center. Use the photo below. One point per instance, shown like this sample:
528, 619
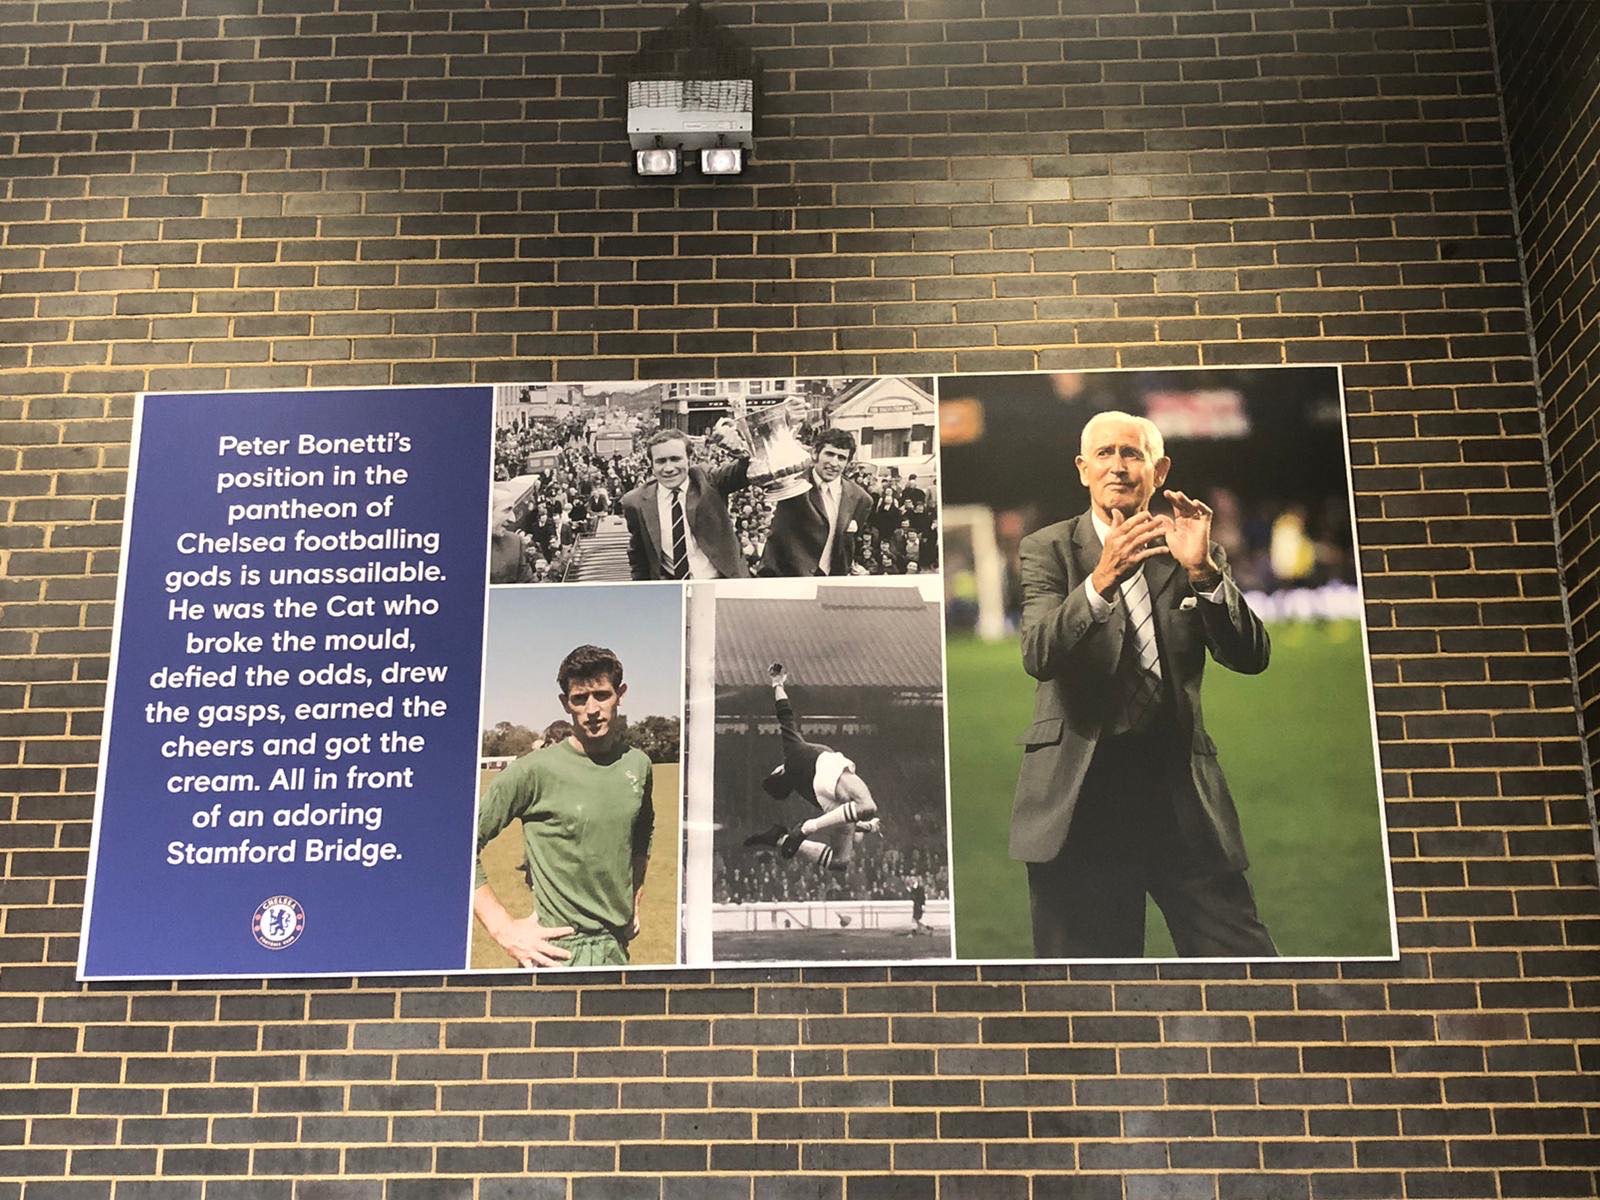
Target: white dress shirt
830, 505
699, 565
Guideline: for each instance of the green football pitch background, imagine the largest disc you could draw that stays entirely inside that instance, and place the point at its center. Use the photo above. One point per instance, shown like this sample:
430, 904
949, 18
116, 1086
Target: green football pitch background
1296, 744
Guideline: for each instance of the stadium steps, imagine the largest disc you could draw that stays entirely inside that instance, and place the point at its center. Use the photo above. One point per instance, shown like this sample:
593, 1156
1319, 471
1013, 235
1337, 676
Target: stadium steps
603, 555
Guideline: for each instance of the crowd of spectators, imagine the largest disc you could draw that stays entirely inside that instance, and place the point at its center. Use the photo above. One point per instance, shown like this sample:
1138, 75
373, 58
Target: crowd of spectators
900, 538
569, 497
878, 871
1274, 545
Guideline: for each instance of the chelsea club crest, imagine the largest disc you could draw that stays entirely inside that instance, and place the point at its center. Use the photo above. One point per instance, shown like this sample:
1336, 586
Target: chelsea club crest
279, 922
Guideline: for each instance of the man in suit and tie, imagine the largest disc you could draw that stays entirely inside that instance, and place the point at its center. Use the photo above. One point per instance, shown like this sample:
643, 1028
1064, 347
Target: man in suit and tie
1120, 793
678, 522
815, 532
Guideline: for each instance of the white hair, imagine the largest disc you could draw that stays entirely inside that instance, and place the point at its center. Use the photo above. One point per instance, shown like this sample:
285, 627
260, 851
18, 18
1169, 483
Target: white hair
1154, 444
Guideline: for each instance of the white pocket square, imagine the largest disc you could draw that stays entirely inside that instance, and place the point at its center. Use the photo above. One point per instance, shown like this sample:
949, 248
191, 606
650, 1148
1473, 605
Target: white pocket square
1187, 602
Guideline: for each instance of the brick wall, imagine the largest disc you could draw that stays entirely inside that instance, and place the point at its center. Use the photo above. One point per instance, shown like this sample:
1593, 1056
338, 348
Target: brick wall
1549, 57
199, 193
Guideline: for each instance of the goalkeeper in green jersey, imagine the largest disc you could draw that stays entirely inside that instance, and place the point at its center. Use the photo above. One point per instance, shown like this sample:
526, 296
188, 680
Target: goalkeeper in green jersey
586, 814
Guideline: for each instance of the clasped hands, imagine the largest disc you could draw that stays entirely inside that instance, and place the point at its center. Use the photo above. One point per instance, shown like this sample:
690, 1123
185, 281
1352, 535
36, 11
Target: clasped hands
1185, 535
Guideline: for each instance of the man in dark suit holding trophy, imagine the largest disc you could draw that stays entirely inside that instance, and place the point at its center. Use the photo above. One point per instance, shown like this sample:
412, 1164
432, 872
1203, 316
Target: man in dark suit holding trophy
815, 532
1120, 793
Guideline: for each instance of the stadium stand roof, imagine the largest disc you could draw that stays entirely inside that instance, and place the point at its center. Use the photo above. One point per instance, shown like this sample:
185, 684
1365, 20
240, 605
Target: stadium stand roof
849, 636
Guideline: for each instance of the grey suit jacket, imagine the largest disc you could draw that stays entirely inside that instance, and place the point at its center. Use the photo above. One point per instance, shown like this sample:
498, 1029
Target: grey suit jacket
1075, 658
705, 508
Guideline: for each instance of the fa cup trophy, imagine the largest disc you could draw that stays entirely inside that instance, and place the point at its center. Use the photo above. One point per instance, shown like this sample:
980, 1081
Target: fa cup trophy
779, 462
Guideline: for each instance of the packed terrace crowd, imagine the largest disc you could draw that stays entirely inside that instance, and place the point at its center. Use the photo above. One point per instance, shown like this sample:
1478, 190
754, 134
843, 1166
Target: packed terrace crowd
879, 871
569, 499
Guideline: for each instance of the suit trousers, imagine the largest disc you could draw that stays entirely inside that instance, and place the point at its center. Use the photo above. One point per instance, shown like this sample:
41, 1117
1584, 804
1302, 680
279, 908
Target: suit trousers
1138, 829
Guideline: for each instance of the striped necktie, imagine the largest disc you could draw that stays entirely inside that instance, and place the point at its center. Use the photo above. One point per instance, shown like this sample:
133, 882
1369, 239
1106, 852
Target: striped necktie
1141, 676
678, 564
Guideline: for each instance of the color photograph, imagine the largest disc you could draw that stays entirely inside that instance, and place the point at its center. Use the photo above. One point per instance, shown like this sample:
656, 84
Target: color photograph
578, 843
1161, 730
817, 825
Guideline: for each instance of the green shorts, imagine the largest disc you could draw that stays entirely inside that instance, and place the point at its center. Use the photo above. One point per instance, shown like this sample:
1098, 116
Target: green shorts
593, 950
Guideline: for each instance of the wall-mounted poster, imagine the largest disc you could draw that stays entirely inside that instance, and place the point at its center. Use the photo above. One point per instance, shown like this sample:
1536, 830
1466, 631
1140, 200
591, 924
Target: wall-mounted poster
763, 671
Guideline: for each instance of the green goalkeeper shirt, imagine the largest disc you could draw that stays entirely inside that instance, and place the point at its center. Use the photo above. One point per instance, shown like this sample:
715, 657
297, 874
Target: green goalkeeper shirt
583, 824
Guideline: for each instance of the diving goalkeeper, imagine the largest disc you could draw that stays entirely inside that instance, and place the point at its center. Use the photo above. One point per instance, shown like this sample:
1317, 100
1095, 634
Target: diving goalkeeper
824, 778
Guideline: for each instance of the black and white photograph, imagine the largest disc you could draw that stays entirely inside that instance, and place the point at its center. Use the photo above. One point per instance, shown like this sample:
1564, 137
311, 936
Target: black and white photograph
817, 828
714, 479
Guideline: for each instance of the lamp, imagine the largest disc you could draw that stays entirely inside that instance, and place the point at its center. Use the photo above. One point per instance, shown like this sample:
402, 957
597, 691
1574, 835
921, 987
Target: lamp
691, 92
658, 160
721, 160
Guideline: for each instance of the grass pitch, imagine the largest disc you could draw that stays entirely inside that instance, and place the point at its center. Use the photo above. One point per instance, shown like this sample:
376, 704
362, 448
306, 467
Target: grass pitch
1296, 744
658, 917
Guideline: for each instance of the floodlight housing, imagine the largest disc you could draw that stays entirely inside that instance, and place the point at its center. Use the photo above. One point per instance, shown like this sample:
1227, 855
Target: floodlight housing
721, 160
697, 114
658, 160
694, 87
